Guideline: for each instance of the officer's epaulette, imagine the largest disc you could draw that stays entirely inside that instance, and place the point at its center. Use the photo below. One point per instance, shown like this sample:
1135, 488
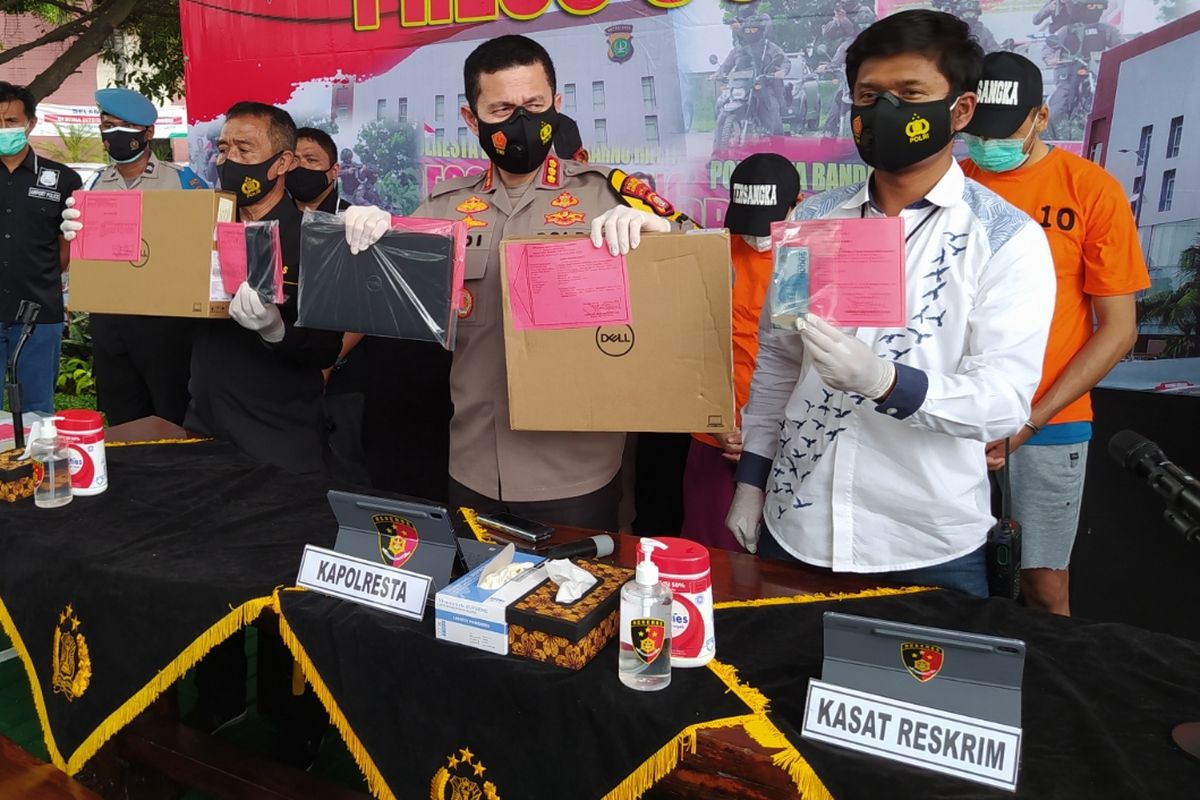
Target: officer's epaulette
454, 184
636, 193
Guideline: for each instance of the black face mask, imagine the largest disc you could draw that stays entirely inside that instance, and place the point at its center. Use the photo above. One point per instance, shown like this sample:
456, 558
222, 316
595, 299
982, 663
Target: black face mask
306, 184
248, 181
124, 145
520, 143
892, 134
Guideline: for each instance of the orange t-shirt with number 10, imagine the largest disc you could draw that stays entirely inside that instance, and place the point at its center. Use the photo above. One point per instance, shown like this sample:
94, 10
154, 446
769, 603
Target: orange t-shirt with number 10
1095, 246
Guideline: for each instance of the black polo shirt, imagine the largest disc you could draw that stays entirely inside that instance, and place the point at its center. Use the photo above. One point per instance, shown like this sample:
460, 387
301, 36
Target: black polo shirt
31, 203
265, 398
333, 203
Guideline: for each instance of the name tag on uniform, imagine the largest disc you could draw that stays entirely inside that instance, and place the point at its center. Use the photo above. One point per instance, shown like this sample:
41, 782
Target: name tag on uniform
45, 194
359, 581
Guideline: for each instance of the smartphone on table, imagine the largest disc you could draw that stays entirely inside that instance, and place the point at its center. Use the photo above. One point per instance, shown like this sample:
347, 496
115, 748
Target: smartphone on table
516, 526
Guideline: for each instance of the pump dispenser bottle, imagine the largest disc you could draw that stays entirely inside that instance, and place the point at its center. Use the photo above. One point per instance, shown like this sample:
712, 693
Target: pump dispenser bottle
644, 662
51, 456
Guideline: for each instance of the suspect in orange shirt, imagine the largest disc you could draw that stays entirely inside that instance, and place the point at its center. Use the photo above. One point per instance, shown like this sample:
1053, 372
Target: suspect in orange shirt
1099, 266
763, 189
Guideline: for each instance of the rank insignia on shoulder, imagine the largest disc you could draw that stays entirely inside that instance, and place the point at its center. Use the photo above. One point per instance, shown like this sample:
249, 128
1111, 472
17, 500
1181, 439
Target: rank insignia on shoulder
638, 194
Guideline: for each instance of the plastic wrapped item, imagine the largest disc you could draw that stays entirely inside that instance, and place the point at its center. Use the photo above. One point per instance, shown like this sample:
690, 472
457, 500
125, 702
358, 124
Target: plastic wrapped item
264, 260
849, 272
408, 285
251, 252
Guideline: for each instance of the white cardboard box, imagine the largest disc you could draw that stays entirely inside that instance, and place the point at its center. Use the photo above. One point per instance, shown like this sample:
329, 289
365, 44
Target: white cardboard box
467, 614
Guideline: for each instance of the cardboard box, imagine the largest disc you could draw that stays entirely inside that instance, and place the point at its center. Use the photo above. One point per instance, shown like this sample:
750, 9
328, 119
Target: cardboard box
671, 370
522, 617
175, 275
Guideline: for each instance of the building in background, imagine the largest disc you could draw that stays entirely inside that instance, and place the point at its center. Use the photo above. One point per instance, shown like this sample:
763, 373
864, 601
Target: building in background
73, 104
1145, 130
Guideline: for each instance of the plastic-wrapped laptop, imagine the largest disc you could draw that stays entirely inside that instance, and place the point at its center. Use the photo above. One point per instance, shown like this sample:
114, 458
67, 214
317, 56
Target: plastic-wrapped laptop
408, 285
976, 675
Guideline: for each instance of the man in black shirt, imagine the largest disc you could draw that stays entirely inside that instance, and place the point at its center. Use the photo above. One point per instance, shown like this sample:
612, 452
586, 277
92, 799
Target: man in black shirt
33, 255
256, 379
313, 182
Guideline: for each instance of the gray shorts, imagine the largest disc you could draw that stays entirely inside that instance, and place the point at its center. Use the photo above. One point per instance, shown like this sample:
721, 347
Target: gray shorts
1047, 489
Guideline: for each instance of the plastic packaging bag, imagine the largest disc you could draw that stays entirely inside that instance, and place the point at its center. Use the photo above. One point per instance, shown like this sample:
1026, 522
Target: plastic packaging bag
790, 279
264, 260
408, 285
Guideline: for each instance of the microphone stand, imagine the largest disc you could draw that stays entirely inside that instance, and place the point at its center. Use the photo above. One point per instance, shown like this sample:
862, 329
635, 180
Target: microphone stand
27, 313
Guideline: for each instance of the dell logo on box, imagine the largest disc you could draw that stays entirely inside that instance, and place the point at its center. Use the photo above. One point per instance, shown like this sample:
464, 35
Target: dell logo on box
615, 340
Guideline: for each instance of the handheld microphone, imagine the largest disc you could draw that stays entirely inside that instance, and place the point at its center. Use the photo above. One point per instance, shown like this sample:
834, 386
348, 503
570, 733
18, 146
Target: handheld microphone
1145, 459
591, 547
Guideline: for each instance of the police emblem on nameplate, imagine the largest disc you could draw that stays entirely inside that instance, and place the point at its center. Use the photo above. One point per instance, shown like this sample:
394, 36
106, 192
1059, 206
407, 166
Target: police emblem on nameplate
398, 539
72, 663
648, 636
251, 187
48, 177
472, 205
923, 661
620, 43
462, 779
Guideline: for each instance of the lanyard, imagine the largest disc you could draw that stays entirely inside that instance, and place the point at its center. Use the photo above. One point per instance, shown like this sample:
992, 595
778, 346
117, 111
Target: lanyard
863, 215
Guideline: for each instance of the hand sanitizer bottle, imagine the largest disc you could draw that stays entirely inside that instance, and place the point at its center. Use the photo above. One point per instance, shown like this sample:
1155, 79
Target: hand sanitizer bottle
52, 460
644, 662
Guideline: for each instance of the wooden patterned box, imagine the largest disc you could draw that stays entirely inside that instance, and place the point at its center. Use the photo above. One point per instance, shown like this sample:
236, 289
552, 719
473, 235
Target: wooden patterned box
568, 635
18, 478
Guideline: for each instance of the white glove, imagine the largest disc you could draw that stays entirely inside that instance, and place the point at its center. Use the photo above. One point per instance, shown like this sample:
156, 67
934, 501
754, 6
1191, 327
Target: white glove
70, 224
365, 225
844, 362
622, 227
745, 513
249, 311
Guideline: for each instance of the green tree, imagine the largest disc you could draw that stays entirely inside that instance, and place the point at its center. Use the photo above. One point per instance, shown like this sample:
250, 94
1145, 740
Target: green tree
140, 37
1179, 307
390, 153
80, 144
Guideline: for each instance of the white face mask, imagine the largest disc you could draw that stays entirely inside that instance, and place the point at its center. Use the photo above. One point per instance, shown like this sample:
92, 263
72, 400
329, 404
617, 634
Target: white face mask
760, 243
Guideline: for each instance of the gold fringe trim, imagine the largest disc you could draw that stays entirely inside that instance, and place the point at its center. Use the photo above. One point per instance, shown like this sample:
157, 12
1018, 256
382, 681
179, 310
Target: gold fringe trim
659, 765
879, 591
158, 441
480, 532
228, 625
375, 782
760, 728
752, 697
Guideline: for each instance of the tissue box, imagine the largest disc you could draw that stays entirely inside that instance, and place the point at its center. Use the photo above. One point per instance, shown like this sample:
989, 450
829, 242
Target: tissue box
571, 635
18, 479
522, 618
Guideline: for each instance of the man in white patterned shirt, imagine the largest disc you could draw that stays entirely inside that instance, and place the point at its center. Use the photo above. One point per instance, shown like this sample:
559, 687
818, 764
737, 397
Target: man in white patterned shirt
863, 449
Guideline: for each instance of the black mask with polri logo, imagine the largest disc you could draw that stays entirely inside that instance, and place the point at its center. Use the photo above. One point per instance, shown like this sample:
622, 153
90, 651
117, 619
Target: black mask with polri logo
520, 143
124, 144
892, 134
248, 181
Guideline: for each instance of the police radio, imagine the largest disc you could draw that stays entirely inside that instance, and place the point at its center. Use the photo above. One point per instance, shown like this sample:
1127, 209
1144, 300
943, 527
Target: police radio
1004, 544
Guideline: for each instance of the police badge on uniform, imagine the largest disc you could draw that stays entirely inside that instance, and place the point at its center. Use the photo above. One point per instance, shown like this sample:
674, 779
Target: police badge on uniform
48, 177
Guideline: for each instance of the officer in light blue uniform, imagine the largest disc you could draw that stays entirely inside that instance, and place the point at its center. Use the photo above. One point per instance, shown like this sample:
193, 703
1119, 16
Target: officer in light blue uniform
141, 363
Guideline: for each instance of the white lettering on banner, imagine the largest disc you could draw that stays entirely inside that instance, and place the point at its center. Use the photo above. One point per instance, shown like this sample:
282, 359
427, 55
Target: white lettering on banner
998, 93
752, 194
974, 749
360, 581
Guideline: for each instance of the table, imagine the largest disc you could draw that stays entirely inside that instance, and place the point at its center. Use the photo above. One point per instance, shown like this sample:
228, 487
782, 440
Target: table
1155, 670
